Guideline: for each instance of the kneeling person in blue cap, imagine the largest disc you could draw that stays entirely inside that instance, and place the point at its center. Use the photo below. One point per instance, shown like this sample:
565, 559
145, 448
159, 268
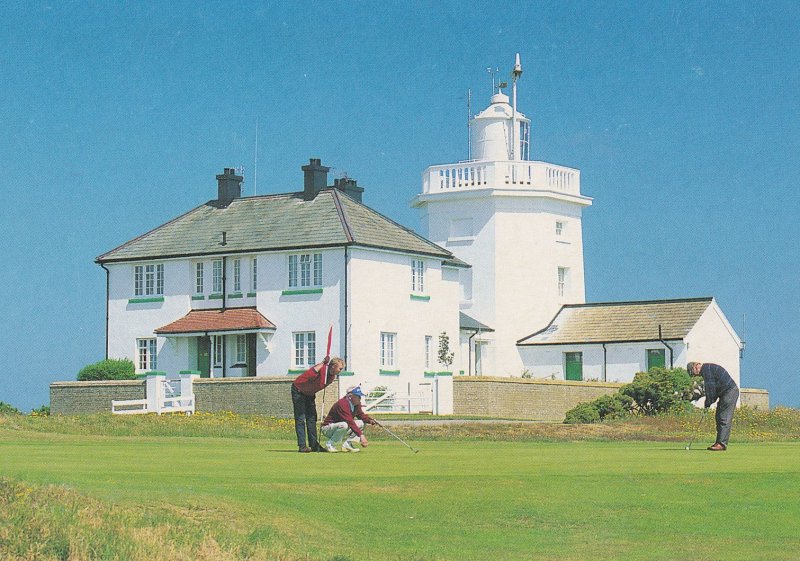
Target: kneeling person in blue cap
344, 423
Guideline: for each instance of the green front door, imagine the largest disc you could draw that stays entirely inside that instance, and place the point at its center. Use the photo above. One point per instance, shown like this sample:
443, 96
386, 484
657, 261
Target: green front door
204, 356
573, 366
655, 358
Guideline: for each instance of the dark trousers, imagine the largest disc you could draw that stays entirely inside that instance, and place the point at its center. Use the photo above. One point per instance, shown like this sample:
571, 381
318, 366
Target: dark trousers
724, 416
305, 419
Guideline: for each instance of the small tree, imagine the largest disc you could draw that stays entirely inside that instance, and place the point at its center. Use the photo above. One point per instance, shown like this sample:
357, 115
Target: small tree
109, 369
445, 355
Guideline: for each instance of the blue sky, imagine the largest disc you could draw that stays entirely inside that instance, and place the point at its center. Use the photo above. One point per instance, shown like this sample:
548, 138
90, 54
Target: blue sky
683, 117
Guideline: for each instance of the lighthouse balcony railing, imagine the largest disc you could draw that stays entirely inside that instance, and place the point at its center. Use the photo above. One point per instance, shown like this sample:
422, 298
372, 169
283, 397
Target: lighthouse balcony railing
501, 175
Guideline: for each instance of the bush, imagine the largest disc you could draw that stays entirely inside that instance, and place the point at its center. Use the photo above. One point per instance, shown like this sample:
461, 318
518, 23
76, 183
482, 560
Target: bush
605, 407
43, 411
583, 413
6, 409
660, 390
109, 369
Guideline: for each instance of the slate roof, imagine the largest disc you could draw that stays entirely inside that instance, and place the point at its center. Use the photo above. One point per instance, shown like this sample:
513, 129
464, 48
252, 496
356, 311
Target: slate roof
617, 322
275, 222
230, 319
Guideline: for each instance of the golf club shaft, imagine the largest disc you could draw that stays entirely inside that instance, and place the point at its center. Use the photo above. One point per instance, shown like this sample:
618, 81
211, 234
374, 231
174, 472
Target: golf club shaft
697, 429
397, 437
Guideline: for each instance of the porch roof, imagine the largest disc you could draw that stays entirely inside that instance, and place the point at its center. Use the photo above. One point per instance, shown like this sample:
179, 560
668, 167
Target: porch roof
229, 320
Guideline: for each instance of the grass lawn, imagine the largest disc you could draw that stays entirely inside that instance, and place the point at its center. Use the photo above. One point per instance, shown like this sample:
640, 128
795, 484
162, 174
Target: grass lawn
100, 496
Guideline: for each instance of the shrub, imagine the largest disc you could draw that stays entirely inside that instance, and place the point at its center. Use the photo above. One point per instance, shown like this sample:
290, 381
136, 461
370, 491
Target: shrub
6, 409
605, 407
582, 413
660, 390
109, 369
613, 406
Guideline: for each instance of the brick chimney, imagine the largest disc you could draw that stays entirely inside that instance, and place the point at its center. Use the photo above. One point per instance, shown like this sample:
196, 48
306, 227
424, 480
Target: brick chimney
229, 186
349, 187
315, 178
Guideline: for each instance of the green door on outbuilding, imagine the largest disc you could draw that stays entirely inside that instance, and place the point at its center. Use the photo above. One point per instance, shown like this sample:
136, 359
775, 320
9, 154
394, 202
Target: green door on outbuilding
573, 366
655, 358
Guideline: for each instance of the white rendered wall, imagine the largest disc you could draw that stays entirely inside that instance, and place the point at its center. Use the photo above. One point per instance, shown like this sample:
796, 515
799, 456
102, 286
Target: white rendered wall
712, 339
623, 360
515, 255
381, 300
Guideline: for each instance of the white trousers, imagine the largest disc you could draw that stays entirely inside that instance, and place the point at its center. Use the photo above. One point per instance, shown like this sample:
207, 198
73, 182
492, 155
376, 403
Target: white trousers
336, 433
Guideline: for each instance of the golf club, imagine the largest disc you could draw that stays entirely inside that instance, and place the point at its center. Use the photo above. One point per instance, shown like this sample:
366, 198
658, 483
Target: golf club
398, 438
697, 429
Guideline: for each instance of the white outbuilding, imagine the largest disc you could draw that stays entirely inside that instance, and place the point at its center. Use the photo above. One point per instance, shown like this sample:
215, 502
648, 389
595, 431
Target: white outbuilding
611, 341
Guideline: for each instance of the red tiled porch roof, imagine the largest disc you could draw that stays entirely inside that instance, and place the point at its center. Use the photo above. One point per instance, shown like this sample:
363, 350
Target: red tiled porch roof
231, 319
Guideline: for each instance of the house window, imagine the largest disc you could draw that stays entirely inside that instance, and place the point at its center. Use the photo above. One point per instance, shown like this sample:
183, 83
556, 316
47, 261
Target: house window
241, 349
216, 276
217, 343
237, 275
562, 280
198, 275
524, 140
305, 349
388, 346
254, 275
656, 358
428, 351
148, 280
559, 229
417, 275
573, 366
147, 355
305, 270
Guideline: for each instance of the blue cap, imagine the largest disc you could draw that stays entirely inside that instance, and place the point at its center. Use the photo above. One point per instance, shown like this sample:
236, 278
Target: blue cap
357, 391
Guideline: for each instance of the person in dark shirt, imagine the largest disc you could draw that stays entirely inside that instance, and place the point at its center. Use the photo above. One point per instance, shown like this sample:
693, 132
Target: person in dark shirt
721, 388
344, 422
304, 390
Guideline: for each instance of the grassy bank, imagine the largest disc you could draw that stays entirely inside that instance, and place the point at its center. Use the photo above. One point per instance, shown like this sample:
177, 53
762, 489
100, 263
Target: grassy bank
780, 424
142, 488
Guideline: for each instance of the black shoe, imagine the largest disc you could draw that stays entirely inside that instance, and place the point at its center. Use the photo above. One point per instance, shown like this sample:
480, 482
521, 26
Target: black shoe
304, 450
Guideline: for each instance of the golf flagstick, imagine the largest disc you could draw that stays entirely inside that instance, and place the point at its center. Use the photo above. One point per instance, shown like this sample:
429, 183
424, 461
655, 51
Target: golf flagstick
324, 374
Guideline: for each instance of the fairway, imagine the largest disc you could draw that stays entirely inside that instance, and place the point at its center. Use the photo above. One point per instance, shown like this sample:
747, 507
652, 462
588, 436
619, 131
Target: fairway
453, 500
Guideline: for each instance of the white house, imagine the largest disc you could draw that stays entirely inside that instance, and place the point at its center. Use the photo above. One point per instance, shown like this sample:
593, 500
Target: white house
611, 341
248, 286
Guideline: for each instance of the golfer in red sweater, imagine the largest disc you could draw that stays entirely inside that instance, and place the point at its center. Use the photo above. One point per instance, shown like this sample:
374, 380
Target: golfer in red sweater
345, 421
304, 388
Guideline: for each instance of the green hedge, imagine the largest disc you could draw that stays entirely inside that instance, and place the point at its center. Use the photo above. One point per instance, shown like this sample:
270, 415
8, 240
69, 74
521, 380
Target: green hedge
109, 369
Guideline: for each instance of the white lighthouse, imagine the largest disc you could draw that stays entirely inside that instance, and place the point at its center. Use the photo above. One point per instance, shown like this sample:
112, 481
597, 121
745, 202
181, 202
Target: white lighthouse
518, 223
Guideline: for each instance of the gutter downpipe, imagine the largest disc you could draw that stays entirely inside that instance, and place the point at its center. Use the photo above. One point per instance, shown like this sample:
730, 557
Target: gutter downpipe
666, 345
108, 285
605, 363
346, 303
